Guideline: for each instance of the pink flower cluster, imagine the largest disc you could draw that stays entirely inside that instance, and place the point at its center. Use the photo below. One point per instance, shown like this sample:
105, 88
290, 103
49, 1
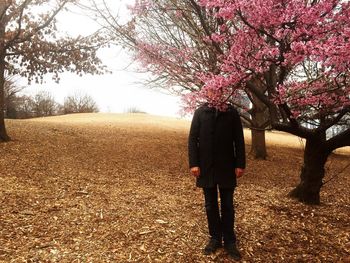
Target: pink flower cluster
158, 58
317, 97
140, 7
285, 35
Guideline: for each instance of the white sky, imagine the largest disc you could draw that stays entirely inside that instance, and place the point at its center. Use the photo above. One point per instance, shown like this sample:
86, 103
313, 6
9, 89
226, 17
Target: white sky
114, 92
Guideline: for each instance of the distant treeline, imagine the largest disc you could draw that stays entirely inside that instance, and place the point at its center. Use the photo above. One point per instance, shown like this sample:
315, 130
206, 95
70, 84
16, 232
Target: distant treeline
43, 104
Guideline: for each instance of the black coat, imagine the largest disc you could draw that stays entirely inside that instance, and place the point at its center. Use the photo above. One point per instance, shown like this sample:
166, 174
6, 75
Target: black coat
216, 145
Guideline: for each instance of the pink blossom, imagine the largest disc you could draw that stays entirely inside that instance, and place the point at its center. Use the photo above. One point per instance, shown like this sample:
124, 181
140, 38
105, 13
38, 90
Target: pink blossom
287, 34
140, 7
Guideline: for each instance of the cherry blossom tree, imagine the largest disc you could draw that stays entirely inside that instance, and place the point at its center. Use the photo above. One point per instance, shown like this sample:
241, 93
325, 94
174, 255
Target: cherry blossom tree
31, 46
294, 55
179, 42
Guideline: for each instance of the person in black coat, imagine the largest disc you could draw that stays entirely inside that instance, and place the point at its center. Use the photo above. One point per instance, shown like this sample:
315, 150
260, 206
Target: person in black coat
217, 158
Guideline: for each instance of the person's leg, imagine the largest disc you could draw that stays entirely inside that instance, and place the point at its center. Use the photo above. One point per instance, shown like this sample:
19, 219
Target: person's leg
213, 217
227, 215
228, 218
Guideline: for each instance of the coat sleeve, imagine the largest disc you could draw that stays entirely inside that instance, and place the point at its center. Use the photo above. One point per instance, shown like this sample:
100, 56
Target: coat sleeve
239, 141
193, 141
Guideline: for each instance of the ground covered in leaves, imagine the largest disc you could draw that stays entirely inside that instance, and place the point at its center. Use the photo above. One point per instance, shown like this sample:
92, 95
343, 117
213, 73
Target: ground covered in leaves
116, 188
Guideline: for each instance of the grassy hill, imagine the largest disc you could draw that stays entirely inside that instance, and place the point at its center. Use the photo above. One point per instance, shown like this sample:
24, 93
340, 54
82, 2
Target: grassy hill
116, 188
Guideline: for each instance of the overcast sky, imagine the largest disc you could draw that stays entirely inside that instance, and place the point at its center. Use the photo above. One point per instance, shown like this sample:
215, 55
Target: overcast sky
114, 92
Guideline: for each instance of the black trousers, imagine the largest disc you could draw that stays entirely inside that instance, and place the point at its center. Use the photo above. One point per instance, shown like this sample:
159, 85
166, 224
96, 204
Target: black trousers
221, 225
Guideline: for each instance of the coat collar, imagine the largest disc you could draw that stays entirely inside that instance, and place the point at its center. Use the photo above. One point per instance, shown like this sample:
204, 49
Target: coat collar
206, 107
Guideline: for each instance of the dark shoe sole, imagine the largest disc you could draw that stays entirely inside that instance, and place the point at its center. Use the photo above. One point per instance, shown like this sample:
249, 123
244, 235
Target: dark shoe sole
234, 256
211, 251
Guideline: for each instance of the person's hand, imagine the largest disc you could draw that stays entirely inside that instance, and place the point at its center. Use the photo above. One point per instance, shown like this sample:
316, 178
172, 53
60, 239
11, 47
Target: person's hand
195, 171
239, 172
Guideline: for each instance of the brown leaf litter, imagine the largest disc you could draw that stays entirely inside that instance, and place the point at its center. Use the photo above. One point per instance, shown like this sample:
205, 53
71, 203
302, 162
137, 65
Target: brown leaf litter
116, 188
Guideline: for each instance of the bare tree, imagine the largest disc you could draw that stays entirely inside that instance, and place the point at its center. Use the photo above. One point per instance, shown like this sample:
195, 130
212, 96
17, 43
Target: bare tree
43, 104
79, 103
11, 90
133, 109
31, 47
23, 107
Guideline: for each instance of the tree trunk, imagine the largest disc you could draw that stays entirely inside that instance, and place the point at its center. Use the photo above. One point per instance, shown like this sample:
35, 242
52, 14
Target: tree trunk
258, 149
312, 172
259, 115
3, 133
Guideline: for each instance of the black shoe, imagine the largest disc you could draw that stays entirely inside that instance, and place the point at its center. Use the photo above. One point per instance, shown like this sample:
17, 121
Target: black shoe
212, 246
233, 252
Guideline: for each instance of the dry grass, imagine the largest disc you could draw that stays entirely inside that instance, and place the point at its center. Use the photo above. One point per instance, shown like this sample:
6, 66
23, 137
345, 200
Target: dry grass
115, 188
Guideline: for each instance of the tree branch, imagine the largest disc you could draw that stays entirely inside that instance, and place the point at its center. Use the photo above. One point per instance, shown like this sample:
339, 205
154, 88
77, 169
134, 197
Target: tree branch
3, 11
204, 25
38, 28
334, 121
340, 140
260, 30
